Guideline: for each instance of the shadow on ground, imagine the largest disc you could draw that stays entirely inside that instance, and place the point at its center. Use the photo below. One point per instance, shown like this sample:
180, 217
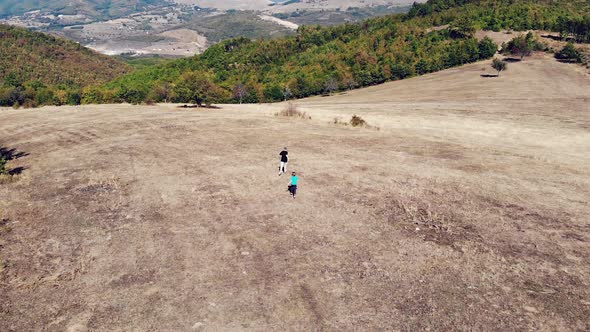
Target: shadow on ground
12, 154
512, 60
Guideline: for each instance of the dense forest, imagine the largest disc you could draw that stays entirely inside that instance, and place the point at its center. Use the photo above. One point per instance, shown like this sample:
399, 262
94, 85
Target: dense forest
317, 60
39, 69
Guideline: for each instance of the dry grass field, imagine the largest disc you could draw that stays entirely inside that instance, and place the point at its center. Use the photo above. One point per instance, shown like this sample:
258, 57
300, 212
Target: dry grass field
466, 210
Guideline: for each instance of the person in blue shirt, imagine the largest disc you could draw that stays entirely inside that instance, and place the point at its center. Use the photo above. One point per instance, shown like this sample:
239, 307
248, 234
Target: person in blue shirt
293, 184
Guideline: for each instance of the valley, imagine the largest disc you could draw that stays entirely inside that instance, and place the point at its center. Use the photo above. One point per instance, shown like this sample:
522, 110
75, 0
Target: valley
186, 28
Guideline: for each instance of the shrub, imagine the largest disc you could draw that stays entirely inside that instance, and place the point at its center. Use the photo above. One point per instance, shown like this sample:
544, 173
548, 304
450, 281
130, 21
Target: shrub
291, 111
523, 45
569, 53
357, 121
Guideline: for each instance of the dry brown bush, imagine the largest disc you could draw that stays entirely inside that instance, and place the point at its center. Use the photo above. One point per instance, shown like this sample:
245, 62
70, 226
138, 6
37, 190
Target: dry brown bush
291, 111
357, 121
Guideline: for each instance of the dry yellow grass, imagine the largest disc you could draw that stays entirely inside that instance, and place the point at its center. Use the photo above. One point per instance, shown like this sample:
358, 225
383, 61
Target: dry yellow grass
468, 210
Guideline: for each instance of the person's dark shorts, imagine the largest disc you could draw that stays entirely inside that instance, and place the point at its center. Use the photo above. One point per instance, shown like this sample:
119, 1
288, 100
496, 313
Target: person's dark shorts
293, 189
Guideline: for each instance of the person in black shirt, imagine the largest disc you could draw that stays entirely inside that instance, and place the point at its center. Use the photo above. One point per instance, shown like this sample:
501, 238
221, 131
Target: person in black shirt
284, 161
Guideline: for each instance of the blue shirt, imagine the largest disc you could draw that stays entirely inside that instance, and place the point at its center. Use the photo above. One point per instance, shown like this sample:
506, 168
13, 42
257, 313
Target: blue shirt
294, 180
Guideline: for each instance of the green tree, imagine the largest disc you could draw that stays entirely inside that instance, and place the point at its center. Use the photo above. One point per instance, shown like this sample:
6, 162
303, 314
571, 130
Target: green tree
487, 48
521, 46
499, 65
73, 97
92, 95
463, 27
132, 95
273, 93
12, 80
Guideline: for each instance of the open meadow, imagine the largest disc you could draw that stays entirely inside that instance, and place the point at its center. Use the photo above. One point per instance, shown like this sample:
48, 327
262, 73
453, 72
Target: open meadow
462, 207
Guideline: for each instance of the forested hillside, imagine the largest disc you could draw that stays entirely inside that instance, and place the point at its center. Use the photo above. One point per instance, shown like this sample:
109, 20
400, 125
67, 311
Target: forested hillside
566, 16
322, 60
37, 69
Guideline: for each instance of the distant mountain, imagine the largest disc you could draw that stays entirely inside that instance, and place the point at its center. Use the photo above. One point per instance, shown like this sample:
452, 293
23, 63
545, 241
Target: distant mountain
31, 62
180, 28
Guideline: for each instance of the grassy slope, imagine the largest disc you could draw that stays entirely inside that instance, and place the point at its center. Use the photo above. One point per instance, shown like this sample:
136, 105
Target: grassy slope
36, 56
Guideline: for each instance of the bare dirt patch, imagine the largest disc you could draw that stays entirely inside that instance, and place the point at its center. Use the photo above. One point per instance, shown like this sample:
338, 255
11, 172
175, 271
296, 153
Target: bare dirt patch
466, 211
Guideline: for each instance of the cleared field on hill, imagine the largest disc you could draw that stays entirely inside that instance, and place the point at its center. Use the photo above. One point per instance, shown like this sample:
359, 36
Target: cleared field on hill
467, 210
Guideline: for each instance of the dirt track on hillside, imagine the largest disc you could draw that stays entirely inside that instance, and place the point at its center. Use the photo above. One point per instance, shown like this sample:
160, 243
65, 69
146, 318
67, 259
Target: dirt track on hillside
467, 210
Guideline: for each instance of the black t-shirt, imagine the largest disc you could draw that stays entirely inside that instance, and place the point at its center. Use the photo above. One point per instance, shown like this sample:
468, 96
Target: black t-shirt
284, 156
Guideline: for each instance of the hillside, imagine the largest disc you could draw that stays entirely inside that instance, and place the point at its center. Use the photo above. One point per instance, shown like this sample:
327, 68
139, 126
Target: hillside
326, 59
38, 67
467, 211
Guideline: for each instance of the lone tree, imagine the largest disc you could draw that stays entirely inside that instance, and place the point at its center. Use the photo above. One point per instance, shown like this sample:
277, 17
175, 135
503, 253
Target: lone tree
499, 65
240, 92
